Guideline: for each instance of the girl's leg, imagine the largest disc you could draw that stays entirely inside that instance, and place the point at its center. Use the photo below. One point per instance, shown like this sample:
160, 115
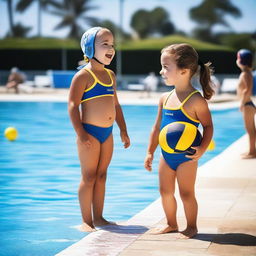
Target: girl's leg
89, 159
186, 177
99, 188
167, 178
248, 115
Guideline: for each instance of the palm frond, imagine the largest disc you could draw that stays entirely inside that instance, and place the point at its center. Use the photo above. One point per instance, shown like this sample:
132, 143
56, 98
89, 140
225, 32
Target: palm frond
68, 21
71, 12
52, 3
22, 5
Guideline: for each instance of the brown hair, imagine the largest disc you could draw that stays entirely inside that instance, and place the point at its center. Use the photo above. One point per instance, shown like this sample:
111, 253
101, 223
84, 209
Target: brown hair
186, 57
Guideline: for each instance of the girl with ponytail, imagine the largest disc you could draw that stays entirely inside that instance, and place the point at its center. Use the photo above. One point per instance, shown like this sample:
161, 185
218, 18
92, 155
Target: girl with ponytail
183, 106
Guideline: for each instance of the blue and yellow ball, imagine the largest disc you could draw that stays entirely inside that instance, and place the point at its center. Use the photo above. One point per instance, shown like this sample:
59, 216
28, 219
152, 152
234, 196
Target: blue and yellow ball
11, 133
179, 137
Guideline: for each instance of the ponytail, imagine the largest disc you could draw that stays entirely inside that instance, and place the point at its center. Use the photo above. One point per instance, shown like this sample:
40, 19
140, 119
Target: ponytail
205, 79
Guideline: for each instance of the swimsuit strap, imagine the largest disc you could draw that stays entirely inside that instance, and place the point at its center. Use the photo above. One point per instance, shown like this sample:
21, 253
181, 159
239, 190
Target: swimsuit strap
188, 97
108, 71
184, 101
97, 80
92, 74
168, 97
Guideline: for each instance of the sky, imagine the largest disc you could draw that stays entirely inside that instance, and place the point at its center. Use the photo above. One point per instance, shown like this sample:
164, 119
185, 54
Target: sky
109, 9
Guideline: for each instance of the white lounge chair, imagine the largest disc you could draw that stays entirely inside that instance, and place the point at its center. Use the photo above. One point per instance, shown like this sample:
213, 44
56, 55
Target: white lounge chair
136, 87
229, 85
27, 86
43, 81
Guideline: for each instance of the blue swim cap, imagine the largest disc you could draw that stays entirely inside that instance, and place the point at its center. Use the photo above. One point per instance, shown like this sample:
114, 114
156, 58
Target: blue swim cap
88, 43
245, 57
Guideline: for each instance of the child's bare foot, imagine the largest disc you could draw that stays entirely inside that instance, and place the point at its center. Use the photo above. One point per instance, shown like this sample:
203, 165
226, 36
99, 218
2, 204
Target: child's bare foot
103, 222
164, 230
86, 228
189, 232
248, 155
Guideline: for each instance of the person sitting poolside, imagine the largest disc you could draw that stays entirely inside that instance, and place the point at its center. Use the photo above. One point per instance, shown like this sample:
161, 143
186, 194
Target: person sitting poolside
15, 78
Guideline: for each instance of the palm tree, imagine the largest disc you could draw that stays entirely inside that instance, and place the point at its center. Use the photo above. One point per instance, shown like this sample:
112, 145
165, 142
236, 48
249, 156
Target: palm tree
210, 13
16, 30
20, 30
73, 14
23, 5
10, 16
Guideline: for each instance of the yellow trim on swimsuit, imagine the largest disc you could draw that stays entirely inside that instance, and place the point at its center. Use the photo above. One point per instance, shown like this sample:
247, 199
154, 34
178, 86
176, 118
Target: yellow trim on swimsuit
98, 89
181, 106
99, 96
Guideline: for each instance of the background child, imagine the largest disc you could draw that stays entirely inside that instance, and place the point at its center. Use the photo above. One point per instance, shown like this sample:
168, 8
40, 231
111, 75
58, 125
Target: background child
94, 87
179, 63
15, 78
244, 92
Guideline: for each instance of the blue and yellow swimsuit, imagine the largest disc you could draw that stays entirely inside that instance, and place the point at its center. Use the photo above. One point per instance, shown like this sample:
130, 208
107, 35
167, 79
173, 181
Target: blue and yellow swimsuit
170, 115
97, 90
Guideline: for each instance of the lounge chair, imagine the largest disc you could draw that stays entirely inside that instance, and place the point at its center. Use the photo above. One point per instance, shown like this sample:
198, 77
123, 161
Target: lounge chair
229, 85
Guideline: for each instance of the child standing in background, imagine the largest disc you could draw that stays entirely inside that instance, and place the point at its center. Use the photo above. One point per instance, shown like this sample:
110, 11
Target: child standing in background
183, 104
244, 92
94, 89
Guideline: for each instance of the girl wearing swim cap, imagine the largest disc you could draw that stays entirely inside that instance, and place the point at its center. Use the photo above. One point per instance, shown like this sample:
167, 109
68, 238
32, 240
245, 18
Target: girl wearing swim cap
244, 93
93, 107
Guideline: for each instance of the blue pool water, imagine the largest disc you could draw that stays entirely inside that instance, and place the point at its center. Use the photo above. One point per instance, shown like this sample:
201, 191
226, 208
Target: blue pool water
39, 174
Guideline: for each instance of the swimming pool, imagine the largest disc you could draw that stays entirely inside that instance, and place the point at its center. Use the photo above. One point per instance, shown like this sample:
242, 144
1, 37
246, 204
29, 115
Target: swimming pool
39, 174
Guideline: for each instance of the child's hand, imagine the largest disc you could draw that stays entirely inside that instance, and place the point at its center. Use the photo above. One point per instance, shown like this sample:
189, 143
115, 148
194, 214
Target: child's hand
148, 162
199, 152
125, 139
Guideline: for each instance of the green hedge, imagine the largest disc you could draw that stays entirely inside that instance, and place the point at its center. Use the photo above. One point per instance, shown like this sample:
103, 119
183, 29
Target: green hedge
146, 44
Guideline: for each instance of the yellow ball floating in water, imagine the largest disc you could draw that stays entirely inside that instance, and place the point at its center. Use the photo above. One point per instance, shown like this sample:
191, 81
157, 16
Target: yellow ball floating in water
11, 133
211, 145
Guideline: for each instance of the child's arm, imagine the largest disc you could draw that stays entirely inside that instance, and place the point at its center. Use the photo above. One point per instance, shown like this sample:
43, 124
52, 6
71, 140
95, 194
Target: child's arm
153, 139
75, 94
120, 117
204, 116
